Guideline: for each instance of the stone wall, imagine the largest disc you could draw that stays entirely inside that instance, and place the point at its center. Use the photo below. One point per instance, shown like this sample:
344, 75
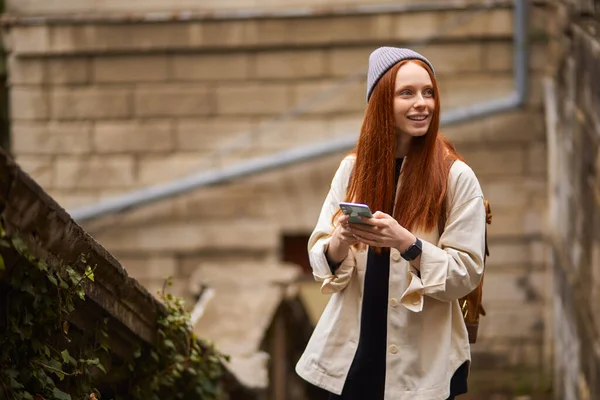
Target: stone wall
573, 112
101, 108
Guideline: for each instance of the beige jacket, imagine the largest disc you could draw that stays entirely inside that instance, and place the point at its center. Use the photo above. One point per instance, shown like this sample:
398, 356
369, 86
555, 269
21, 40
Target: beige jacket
426, 336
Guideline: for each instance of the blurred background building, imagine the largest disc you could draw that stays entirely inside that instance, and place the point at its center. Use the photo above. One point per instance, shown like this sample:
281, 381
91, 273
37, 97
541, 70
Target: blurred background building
109, 97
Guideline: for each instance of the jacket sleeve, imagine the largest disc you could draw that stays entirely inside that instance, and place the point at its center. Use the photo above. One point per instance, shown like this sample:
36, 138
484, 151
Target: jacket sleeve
320, 237
454, 267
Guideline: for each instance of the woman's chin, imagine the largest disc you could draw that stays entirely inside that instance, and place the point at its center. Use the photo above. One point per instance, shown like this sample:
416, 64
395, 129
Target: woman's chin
418, 132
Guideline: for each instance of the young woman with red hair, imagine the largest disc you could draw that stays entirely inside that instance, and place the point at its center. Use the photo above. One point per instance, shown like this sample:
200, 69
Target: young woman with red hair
393, 328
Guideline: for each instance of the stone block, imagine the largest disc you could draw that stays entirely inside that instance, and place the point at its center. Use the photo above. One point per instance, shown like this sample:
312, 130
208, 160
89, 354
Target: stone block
454, 58
219, 34
157, 267
133, 136
270, 32
157, 169
489, 23
135, 68
40, 168
521, 126
28, 104
193, 236
173, 100
526, 287
295, 64
510, 192
95, 172
346, 126
502, 364
506, 254
511, 223
495, 161
346, 29
51, 138
69, 70
498, 56
234, 202
213, 134
28, 71
512, 320
333, 99
29, 39
90, 103
458, 91
293, 133
253, 99
410, 27
211, 67
344, 61
115, 37
537, 160
541, 253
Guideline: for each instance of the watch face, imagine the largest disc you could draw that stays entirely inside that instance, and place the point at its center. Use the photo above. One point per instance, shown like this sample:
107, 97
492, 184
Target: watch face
413, 251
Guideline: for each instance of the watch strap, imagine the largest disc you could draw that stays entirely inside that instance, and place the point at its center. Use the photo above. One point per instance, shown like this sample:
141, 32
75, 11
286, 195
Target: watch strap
413, 251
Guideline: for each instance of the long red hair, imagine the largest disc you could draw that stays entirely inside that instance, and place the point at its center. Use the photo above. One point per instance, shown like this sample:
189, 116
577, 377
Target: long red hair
421, 196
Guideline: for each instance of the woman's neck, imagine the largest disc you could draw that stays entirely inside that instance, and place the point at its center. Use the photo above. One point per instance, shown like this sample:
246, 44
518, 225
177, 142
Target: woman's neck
402, 144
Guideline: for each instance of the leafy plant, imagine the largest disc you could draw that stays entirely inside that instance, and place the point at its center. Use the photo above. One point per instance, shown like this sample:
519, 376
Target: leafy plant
38, 359
181, 366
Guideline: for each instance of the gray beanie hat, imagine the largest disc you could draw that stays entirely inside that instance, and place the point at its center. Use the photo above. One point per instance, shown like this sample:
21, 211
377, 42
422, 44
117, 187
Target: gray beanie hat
384, 58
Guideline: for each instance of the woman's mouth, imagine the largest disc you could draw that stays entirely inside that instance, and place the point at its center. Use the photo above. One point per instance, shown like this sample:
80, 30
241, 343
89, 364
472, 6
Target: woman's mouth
418, 118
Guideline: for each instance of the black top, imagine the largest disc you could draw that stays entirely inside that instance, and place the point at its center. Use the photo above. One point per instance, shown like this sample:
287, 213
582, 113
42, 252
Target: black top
366, 378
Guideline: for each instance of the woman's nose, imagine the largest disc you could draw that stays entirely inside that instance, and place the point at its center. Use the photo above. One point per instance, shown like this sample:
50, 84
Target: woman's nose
419, 101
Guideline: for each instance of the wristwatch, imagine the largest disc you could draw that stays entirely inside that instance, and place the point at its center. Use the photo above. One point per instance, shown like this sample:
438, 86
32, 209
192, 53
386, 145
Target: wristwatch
413, 251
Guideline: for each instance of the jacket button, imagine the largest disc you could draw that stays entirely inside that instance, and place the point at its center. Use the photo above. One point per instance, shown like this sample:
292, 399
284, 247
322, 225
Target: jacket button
393, 349
396, 256
393, 302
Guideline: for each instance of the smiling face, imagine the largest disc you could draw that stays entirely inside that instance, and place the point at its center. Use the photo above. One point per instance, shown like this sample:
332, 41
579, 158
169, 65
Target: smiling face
414, 100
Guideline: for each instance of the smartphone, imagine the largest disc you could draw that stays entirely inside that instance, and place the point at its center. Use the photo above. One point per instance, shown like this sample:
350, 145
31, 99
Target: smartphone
356, 210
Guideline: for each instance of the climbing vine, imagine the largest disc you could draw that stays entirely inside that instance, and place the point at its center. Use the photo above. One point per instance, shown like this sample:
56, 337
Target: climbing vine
181, 366
38, 359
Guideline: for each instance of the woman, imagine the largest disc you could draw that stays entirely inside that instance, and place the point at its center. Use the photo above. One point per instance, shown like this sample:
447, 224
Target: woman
393, 328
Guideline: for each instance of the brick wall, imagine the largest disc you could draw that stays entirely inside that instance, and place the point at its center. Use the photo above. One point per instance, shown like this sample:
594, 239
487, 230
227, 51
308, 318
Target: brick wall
100, 109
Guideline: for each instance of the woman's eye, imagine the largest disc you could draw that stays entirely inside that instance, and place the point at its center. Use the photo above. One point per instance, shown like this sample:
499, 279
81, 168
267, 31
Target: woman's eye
428, 92
405, 93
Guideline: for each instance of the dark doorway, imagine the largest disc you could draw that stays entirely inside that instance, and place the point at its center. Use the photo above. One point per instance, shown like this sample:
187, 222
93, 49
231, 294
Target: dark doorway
294, 251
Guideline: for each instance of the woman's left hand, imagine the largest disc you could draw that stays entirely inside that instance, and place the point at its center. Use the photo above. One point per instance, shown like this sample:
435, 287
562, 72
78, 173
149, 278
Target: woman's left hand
384, 231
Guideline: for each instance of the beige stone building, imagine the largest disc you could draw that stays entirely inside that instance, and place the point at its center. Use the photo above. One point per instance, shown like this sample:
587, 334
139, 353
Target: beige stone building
109, 97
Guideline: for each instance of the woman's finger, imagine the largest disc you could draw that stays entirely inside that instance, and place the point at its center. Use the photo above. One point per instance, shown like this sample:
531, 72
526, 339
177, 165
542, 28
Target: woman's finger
362, 228
367, 236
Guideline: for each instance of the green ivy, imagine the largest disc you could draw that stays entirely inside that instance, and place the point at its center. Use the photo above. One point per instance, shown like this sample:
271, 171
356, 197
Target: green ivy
181, 366
38, 359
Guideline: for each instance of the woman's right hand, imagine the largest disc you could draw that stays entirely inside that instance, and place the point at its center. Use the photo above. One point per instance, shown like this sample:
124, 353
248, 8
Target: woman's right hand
341, 240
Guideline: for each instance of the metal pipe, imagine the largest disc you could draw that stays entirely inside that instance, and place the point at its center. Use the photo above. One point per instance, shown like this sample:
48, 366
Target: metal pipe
285, 158
300, 12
